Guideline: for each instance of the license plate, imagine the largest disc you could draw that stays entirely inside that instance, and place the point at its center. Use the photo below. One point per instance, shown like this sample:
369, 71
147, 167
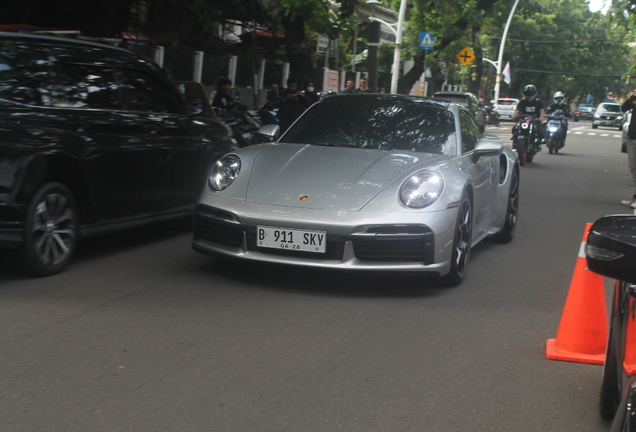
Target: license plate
291, 239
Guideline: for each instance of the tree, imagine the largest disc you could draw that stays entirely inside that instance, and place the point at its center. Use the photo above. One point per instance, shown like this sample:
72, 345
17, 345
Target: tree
451, 21
298, 18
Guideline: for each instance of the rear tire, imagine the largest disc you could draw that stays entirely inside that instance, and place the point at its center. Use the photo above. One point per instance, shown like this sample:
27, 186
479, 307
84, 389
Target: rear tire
507, 233
594, 126
461, 243
50, 230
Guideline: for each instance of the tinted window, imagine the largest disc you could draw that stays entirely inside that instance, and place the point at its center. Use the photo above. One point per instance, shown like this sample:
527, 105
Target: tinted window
25, 75
470, 131
376, 124
83, 86
146, 93
611, 108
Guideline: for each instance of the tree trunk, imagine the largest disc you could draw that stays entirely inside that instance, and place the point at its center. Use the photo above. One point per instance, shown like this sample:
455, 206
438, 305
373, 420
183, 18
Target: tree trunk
299, 61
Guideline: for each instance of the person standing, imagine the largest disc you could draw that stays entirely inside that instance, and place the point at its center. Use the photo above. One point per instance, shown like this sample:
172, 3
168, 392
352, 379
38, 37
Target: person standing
273, 96
348, 87
291, 104
364, 86
311, 97
630, 104
223, 99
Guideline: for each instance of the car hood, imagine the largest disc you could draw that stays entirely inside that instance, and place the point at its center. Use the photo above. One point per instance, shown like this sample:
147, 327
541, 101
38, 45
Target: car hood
330, 178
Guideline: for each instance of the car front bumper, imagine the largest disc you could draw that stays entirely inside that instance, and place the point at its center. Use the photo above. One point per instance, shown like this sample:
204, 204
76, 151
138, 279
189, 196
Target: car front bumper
375, 241
612, 123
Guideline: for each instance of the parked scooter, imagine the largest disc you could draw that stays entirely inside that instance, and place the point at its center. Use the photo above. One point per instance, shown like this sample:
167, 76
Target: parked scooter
555, 133
525, 138
244, 124
493, 117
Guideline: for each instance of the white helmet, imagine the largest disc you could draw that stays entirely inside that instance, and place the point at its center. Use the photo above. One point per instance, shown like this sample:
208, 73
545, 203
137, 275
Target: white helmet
559, 95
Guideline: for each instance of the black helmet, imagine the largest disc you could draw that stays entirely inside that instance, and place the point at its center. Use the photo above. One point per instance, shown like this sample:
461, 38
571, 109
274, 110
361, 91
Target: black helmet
530, 92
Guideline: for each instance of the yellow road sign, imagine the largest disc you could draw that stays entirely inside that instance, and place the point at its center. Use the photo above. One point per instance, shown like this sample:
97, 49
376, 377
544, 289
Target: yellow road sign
465, 56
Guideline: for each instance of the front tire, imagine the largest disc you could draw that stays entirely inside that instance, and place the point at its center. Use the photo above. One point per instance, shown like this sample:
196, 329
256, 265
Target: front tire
461, 243
553, 144
520, 146
594, 126
50, 231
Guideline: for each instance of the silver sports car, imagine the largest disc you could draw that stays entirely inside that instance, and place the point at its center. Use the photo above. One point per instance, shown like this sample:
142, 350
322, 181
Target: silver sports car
363, 182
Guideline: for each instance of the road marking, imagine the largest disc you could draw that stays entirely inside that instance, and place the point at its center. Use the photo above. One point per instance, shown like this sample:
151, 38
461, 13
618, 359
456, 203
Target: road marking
592, 133
578, 133
604, 134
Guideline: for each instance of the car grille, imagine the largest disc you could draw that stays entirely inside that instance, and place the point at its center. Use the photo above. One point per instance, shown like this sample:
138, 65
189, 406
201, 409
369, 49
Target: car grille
409, 244
605, 117
388, 244
210, 225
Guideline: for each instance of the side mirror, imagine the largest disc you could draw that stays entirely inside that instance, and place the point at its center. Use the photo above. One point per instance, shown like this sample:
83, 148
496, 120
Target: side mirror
195, 105
270, 132
611, 247
487, 148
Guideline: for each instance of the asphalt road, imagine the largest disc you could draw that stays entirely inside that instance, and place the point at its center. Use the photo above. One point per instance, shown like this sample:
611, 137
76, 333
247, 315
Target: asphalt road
143, 334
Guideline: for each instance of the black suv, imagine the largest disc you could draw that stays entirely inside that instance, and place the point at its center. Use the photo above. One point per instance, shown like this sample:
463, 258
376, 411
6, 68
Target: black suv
93, 139
469, 101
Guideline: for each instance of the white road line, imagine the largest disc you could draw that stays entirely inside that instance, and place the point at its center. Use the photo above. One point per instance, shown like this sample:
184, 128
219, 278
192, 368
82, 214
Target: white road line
592, 133
604, 134
578, 133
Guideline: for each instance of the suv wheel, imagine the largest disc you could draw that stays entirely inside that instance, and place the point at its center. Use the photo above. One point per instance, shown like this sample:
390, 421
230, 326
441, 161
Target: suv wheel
50, 231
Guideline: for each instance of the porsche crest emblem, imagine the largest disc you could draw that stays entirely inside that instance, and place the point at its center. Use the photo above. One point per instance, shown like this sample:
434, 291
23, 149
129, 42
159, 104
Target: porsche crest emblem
303, 197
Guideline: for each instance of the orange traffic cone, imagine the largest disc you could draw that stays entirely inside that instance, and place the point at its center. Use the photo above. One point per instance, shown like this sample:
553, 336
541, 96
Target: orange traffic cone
582, 335
629, 356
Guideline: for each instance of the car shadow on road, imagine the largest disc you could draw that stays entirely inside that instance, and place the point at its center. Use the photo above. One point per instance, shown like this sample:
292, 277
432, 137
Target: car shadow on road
330, 282
115, 243
103, 246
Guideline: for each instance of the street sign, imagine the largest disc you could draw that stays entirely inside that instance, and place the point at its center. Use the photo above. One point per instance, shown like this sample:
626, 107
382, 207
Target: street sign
426, 41
465, 56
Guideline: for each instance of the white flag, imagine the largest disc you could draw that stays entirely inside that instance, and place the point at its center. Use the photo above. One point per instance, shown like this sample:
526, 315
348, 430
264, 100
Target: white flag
506, 73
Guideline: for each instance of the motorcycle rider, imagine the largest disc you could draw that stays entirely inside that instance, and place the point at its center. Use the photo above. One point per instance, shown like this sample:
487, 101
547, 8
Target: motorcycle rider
223, 100
532, 106
559, 107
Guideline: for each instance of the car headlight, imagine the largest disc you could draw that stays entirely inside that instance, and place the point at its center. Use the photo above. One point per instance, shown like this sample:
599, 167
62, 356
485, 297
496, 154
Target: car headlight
597, 116
422, 189
224, 172
619, 118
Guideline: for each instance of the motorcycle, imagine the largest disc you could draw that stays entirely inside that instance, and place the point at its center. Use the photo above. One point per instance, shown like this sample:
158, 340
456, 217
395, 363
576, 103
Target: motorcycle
525, 138
492, 117
554, 131
244, 124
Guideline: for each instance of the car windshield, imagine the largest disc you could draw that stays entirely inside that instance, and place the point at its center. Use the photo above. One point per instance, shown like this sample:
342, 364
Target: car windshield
376, 124
458, 99
507, 102
612, 108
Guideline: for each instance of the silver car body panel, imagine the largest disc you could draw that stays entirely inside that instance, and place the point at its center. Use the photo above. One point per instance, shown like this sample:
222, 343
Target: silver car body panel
349, 192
